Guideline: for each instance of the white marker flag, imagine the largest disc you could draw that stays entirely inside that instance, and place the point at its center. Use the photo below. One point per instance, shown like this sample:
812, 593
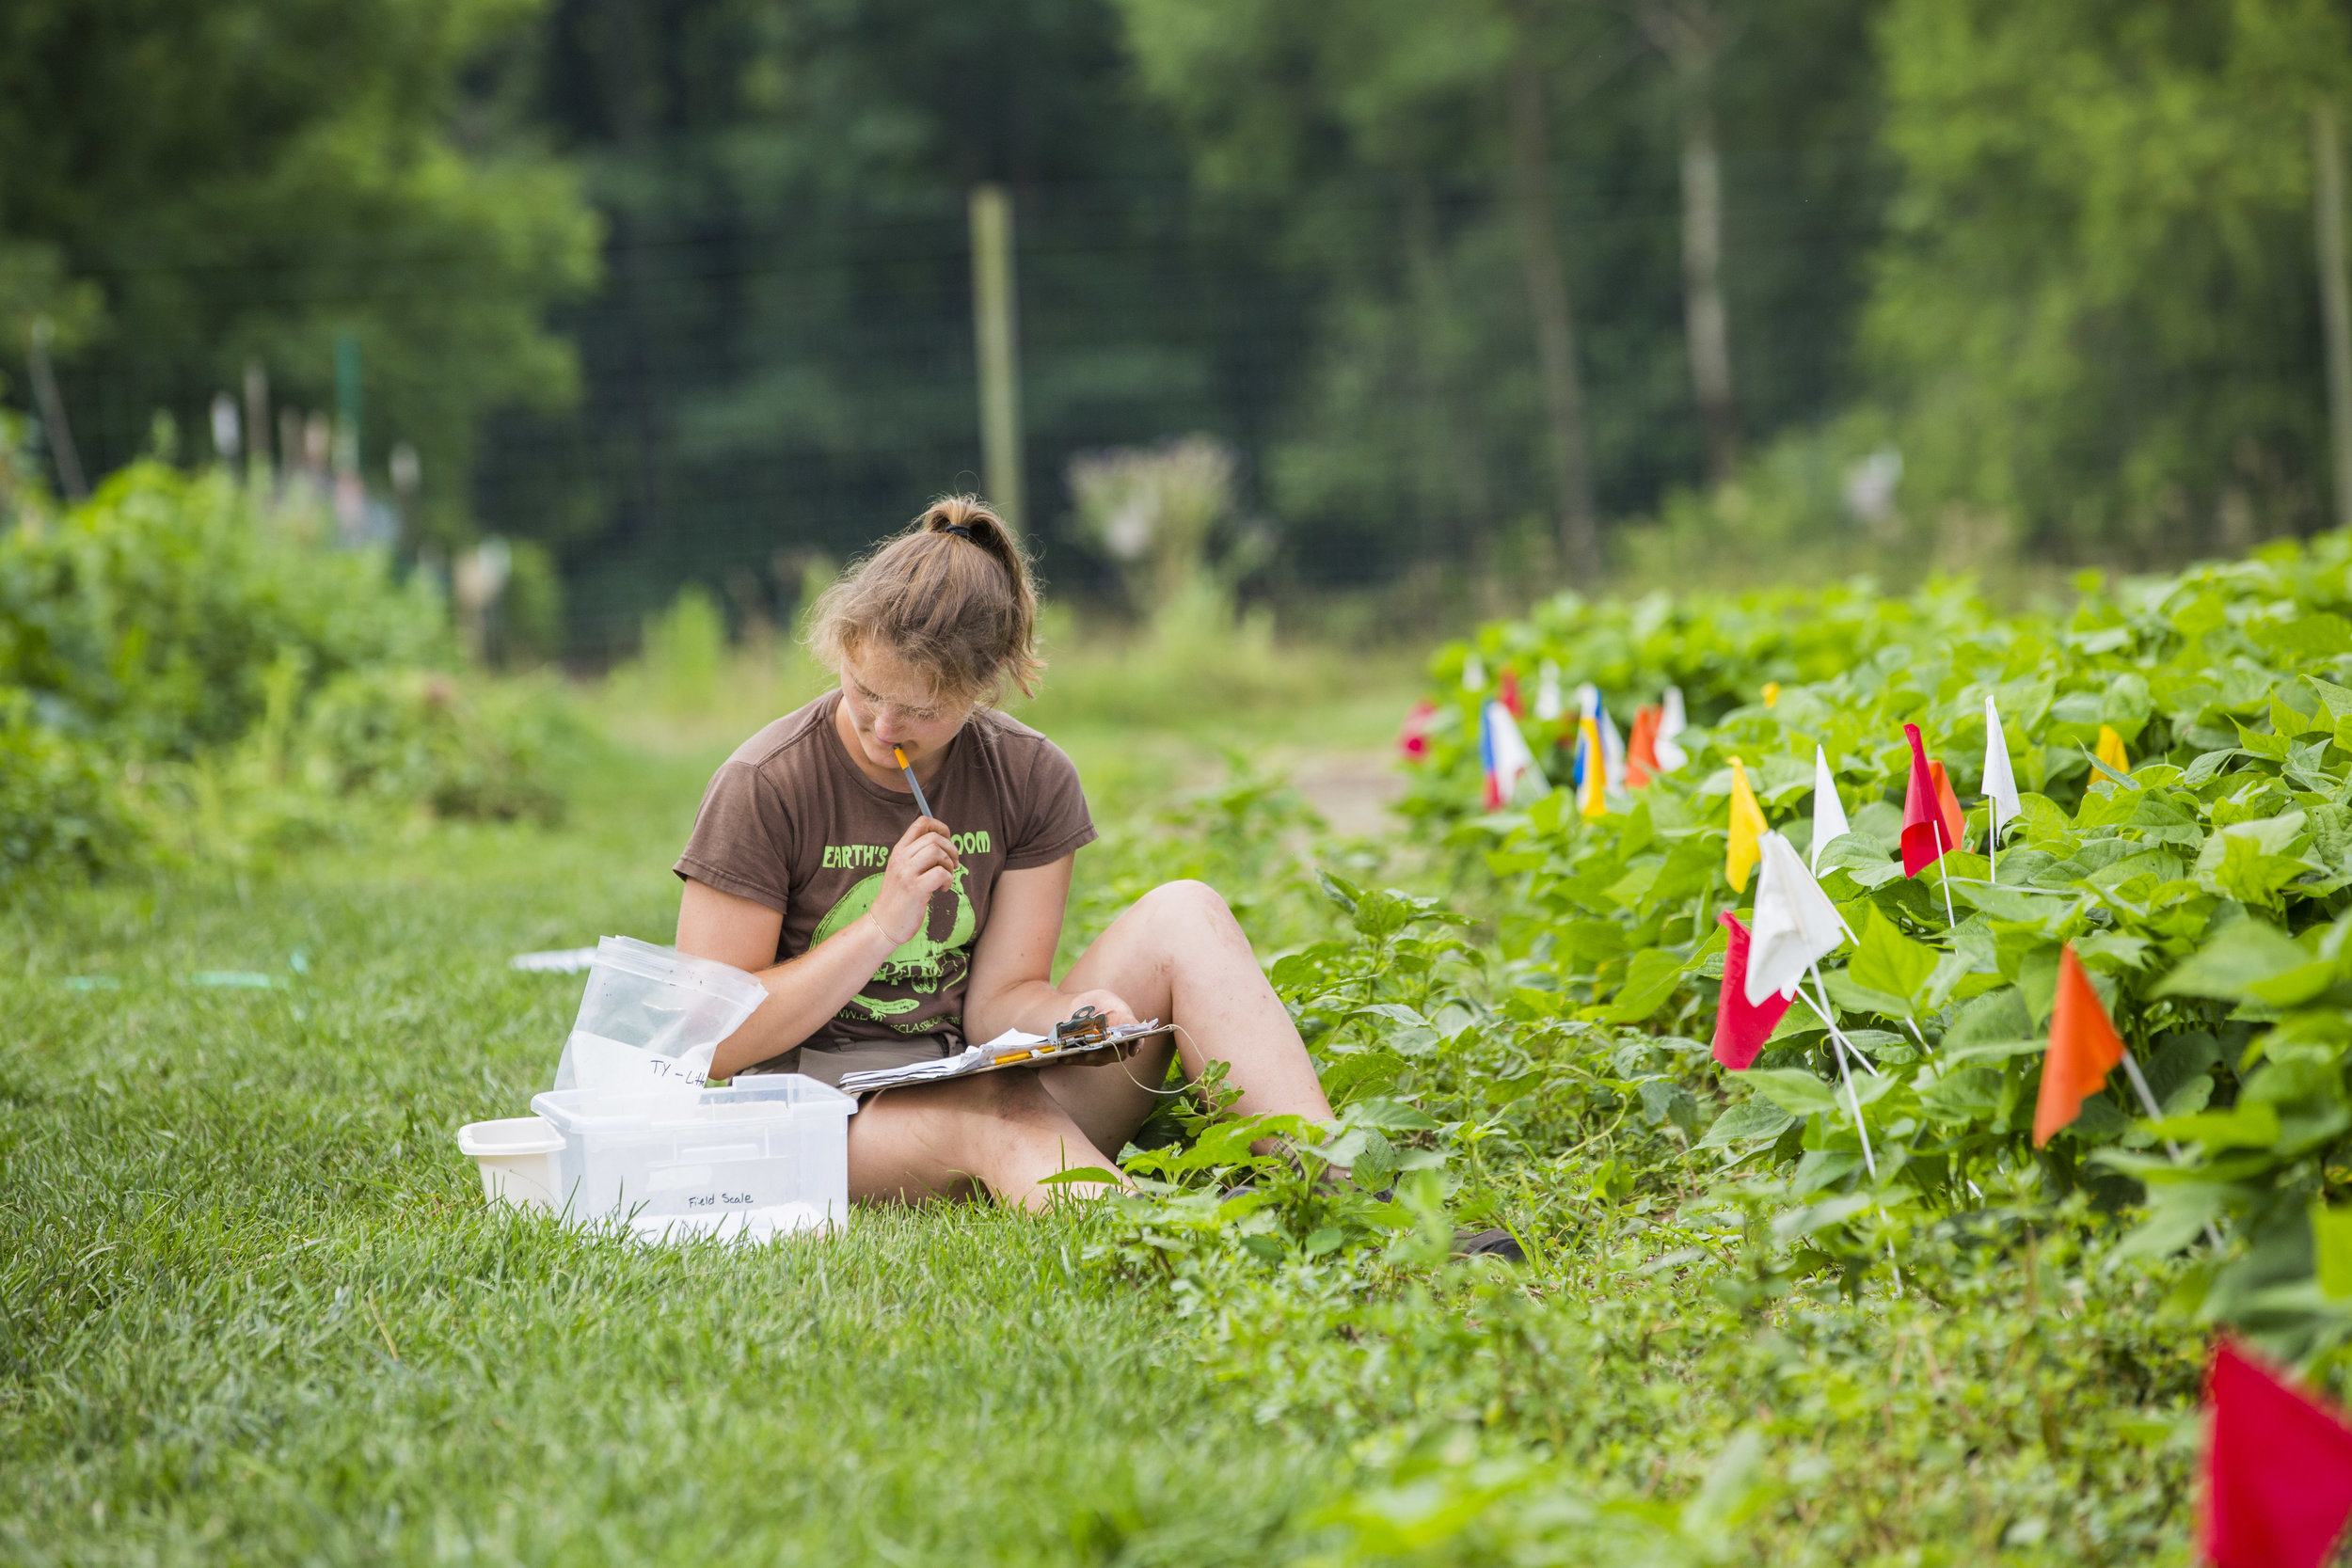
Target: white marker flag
2000, 785
1547, 705
1829, 811
1795, 923
1508, 756
1670, 723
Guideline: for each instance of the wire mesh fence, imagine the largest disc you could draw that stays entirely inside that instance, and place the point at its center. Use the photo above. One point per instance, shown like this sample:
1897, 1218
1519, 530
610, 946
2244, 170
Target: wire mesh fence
759, 389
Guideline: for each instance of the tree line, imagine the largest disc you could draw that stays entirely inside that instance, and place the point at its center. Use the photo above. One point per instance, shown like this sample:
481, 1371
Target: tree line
681, 289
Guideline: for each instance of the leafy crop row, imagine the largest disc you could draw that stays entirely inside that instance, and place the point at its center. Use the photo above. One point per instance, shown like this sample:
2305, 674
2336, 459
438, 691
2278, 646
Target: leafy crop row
1731, 1341
2204, 888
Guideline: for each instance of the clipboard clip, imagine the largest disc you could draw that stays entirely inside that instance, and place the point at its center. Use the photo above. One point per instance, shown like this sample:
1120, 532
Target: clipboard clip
1085, 1026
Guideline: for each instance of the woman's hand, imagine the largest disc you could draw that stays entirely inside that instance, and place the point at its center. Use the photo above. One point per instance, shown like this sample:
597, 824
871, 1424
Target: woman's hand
921, 862
1112, 1006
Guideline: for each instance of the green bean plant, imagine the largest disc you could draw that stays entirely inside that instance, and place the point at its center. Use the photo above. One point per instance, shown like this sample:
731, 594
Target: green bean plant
2203, 887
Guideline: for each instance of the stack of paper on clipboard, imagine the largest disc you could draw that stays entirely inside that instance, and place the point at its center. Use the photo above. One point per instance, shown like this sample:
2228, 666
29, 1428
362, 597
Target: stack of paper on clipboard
1013, 1048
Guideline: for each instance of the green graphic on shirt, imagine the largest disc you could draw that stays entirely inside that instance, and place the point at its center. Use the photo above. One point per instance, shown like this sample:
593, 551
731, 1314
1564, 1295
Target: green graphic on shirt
919, 964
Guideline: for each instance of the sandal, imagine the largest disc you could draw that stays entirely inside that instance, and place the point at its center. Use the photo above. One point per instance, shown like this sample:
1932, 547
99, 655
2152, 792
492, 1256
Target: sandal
1497, 1242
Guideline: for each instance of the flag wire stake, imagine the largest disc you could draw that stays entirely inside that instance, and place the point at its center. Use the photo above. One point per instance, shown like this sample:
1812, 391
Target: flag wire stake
1820, 1010
1830, 1018
2148, 1101
1839, 1049
1854, 1100
1943, 872
2147, 1095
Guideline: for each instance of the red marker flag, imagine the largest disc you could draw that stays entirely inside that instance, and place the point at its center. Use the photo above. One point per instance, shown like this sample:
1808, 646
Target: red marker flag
1920, 848
1742, 1026
1640, 749
1413, 738
2084, 1049
1507, 692
2278, 1469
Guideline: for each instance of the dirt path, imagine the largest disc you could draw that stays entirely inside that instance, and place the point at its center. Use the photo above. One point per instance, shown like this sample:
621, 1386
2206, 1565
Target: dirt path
1352, 789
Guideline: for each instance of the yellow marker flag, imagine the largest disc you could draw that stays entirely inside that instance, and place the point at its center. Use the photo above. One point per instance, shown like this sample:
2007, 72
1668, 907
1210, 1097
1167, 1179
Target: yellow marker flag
2110, 750
1747, 826
1592, 801
1771, 693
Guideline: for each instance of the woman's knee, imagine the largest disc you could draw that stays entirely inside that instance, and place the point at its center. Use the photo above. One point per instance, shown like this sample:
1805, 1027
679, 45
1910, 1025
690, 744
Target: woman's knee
1187, 899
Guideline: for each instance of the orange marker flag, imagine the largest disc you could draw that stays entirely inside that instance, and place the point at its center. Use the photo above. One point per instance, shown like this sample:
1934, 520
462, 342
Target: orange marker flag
1640, 749
2084, 1049
1948, 807
1747, 827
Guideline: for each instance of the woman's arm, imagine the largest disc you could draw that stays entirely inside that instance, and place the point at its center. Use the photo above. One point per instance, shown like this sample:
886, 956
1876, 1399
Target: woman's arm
804, 994
1011, 982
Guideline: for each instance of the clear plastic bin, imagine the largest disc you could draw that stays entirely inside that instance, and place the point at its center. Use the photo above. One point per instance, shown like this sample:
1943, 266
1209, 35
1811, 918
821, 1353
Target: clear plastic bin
769, 1154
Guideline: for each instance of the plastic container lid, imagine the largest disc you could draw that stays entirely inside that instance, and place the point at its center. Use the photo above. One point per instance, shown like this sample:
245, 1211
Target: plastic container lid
510, 1136
622, 1110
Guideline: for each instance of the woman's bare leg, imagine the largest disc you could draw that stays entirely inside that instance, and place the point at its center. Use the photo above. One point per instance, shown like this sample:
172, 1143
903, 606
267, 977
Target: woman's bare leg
1178, 955
1000, 1130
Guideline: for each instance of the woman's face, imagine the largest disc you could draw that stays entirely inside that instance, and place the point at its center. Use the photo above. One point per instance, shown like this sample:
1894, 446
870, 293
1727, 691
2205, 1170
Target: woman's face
893, 704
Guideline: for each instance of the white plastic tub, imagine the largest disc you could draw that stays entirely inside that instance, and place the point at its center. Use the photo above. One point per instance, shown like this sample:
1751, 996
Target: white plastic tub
765, 1155
518, 1159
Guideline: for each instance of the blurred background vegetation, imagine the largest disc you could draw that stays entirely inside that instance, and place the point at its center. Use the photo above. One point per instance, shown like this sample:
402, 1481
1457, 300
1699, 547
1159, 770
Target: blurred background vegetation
1463, 299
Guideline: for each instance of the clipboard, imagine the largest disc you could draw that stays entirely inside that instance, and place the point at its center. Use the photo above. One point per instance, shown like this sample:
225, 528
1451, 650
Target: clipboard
1084, 1035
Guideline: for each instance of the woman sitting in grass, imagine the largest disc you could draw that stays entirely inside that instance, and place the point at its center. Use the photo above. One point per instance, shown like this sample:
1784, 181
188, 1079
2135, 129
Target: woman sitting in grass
886, 937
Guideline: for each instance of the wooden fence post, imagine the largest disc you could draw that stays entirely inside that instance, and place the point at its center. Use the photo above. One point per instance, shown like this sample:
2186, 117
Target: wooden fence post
2335, 296
996, 329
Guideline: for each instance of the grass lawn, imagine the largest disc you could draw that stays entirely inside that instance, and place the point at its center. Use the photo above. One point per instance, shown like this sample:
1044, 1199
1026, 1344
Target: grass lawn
255, 1310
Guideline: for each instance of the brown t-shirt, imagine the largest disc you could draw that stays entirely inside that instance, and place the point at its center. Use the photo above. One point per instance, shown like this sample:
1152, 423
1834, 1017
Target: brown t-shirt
789, 822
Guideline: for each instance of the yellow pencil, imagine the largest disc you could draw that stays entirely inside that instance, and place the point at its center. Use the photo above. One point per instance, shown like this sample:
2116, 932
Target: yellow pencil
900, 752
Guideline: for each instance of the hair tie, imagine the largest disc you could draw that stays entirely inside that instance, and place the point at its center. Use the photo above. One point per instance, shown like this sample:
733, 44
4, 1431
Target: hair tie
958, 529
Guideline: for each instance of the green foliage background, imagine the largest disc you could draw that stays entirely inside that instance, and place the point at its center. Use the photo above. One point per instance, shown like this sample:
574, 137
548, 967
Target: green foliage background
192, 187
185, 672
681, 291
2095, 307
